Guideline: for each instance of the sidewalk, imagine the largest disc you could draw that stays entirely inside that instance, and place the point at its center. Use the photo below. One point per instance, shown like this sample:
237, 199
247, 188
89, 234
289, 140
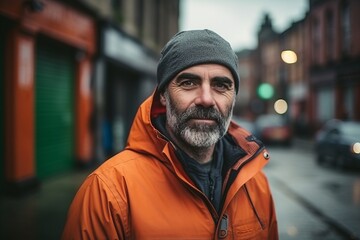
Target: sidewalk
295, 221
39, 215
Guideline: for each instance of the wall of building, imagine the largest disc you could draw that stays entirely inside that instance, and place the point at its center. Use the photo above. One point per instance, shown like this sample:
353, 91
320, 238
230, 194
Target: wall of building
27, 24
334, 55
56, 64
324, 82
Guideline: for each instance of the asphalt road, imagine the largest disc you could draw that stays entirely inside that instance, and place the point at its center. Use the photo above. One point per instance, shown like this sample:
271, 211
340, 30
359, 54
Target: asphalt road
313, 202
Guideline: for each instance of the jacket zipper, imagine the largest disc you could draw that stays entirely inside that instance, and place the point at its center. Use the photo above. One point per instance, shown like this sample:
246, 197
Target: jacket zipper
224, 222
206, 200
212, 190
223, 229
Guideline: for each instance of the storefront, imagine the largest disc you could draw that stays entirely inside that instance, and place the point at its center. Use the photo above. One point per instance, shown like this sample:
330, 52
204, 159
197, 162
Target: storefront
48, 51
125, 76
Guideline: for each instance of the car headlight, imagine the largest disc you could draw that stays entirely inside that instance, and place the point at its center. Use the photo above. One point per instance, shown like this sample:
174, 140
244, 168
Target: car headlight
355, 148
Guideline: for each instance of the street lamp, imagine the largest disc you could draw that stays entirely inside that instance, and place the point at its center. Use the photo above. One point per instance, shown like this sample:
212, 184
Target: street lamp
289, 56
281, 106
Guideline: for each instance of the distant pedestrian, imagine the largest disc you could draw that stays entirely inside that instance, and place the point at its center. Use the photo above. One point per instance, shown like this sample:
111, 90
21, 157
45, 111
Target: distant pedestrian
187, 171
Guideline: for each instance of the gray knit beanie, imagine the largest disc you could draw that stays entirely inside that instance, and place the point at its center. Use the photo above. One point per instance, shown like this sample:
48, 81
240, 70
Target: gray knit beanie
189, 48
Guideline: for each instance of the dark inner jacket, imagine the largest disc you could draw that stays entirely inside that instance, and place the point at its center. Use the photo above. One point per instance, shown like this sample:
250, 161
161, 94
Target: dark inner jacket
207, 177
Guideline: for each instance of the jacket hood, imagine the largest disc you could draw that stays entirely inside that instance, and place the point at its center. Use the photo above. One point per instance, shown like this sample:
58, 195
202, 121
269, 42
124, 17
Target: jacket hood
143, 136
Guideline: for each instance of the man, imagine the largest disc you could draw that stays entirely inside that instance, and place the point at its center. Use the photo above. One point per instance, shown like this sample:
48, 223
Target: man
187, 171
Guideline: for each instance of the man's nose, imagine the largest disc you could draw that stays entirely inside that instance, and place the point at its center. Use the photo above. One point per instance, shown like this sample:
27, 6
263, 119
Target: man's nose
205, 96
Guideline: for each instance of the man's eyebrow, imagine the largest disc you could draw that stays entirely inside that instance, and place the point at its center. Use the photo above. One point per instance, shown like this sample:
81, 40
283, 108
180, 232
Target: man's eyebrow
224, 79
185, 75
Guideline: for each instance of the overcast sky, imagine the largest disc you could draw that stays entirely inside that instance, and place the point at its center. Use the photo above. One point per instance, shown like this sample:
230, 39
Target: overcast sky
238, 21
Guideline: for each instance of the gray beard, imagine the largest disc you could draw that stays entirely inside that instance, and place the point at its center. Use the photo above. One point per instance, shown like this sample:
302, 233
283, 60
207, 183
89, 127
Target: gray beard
197, 135
200, 137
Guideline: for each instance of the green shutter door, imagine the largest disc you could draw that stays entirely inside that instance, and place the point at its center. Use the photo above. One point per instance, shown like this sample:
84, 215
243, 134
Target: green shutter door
54, 109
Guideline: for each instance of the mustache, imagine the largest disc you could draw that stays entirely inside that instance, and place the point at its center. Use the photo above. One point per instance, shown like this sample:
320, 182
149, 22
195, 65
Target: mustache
199, 112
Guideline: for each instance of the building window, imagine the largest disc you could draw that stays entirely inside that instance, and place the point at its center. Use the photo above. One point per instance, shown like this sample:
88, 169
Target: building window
139, 13
315, 33
349, 102
330, 36
157, 22
116, 4
325, 104
346, 28
117, 8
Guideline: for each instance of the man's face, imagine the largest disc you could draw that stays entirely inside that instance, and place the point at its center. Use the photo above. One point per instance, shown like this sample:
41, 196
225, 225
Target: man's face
199, 103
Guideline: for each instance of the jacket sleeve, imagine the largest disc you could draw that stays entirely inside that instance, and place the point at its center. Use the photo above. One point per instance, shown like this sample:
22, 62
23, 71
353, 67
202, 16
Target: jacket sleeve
94, 213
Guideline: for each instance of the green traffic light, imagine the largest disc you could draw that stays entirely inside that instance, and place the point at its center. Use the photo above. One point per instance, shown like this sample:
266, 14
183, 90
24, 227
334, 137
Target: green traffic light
265, 91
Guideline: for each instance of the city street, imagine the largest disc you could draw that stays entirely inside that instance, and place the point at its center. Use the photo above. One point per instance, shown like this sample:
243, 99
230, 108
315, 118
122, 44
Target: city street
82, 80
313, 202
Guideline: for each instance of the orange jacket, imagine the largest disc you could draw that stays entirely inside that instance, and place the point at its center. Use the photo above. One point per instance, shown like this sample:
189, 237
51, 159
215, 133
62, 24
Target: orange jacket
144, 193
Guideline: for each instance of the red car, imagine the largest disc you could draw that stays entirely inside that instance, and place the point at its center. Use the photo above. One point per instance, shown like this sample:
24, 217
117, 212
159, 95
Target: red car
273, 128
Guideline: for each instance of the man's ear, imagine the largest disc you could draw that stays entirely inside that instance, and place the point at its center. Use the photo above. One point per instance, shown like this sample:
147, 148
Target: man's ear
162, 99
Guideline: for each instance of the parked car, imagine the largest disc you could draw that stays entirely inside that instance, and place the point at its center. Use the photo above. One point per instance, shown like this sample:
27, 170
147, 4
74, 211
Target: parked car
274, 129
247, 124
338, 143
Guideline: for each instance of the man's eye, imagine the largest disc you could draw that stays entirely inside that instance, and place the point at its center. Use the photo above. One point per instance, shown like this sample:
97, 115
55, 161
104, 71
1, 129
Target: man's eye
187, 83
221, 86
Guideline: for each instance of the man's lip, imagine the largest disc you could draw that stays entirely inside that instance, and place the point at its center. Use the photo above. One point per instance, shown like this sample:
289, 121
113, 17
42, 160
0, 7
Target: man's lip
203, 120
